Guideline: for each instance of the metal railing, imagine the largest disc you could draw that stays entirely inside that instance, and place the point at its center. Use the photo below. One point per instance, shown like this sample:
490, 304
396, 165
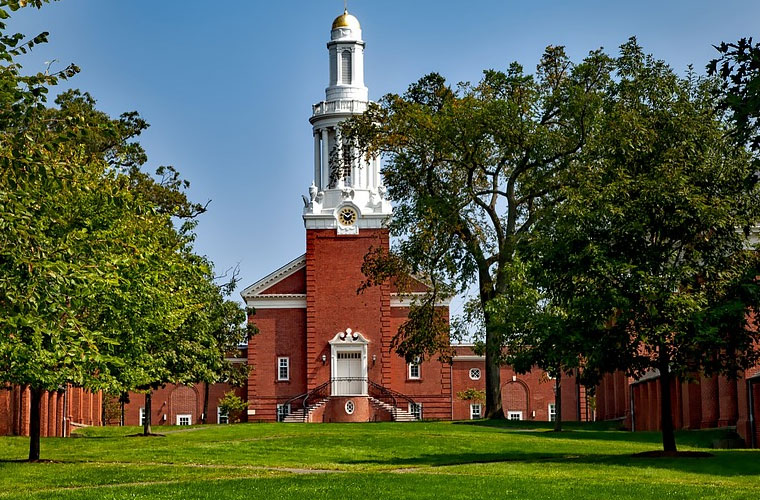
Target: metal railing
346, 386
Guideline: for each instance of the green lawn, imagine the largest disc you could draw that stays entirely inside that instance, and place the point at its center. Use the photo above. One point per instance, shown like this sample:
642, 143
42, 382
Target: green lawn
438, 460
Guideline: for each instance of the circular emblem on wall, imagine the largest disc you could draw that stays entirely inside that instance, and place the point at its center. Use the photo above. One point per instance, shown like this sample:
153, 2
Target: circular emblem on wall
350, 407
347, 216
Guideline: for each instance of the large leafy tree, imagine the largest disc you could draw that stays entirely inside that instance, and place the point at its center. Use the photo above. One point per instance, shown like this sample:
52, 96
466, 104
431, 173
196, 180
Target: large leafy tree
470, 169
91, 262
650, 250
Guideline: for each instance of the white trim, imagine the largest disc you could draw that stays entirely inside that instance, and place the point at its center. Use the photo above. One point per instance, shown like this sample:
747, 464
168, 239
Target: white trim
275, 277
280, 416
280, 378
188, 416
278, 301
480, 373
511, 414
480, 411
410, 408
219, 416
141, 417
469, 357
348, 341
409, 375
407, 299
552, 406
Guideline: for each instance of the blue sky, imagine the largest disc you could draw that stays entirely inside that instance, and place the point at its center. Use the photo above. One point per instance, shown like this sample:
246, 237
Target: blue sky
228, 86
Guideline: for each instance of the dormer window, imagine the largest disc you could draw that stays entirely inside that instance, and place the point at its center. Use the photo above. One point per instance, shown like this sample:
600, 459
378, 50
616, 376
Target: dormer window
346, 67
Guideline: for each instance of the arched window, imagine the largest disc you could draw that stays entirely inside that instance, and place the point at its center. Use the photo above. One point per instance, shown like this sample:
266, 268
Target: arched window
346, 69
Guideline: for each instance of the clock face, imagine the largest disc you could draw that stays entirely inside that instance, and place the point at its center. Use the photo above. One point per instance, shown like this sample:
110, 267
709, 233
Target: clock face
347, 216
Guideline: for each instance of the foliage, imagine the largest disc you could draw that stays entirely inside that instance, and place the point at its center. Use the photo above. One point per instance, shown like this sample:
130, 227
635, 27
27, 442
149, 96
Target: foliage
649, 254
96, 281
739, 70
470, 170
472, 395
233, 406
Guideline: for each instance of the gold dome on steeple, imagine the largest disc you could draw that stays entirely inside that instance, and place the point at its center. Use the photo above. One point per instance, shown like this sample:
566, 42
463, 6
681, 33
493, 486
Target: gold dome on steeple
346, 20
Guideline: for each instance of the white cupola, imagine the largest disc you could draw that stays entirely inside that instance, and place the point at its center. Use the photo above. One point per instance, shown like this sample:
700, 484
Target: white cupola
344, 181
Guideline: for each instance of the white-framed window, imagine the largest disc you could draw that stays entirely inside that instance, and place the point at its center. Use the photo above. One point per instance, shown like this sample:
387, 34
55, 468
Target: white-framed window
416, 410
474, 373
514, 415
283, 368
222, 417
282, 412
414, 370
142, 417
476, 411
350, 407
184, 419
552, 412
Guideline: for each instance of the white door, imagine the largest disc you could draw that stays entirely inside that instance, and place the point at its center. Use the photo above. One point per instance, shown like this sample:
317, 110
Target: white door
349, 373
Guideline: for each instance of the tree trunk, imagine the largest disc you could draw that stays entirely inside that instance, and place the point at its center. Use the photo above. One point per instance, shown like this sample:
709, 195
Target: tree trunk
666, 407
493, 378
204, 417
148, 412
34, 424
558, 401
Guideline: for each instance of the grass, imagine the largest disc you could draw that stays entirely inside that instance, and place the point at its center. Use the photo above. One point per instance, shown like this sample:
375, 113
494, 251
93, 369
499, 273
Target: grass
440, 460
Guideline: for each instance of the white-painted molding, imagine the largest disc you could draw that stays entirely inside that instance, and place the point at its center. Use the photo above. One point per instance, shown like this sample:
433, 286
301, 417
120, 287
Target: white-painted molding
469, 358
407, 299
292, 301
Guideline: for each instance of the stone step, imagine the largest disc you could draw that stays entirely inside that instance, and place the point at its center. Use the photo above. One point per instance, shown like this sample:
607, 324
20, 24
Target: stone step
399, 415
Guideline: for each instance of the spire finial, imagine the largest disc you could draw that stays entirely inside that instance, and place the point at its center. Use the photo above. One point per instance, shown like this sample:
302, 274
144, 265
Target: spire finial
345, 6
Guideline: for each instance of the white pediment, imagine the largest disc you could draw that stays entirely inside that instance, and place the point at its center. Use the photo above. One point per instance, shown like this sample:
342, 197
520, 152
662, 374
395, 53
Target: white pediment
349, 337
272, 279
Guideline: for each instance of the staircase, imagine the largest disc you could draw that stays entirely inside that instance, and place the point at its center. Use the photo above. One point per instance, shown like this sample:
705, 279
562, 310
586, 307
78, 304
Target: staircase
398, 414
304, 414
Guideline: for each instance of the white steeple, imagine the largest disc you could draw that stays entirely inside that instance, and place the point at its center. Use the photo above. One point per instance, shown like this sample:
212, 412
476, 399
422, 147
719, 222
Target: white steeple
344, 182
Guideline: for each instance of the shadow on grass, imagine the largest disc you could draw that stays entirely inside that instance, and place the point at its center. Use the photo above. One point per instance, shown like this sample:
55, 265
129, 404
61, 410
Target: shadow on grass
726, 464
600, 431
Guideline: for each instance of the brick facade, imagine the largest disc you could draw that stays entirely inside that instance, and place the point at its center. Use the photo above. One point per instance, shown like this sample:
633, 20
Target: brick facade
698, 403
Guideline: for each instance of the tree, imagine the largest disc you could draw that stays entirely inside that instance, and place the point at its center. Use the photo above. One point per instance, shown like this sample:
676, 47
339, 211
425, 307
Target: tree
90, 259
739, 70
470, 170
233, 406
653, 239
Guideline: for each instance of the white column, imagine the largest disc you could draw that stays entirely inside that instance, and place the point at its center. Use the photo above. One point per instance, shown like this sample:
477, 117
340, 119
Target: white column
325, 159
339, 154
317, 162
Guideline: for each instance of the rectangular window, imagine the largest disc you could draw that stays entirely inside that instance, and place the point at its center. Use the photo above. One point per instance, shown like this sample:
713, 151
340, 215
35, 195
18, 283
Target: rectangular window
142, 417
475, 411
414, 370
283, 368
514, 415
222, 417
552, 412
416, 410
282, 412
184, 419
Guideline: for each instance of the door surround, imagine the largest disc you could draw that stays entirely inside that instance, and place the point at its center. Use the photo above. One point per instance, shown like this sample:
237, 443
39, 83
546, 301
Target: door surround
348, 341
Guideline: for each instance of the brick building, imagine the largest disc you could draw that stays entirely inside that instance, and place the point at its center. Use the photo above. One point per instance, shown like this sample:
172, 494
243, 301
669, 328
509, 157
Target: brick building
701, 403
